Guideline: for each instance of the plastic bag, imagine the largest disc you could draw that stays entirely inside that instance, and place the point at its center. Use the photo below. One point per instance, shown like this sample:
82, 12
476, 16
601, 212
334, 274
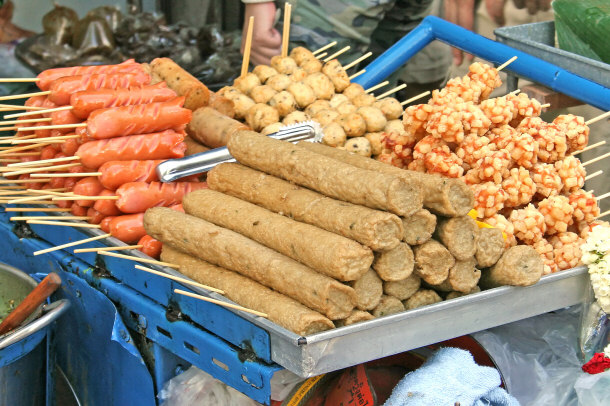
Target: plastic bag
594, 328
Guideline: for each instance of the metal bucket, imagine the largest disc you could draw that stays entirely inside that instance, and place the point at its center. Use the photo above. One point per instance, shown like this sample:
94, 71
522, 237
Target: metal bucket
23, 357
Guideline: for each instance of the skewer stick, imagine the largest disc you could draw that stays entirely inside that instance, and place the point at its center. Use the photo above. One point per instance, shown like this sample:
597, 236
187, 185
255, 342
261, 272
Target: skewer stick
336, 54
57, 192
13, 192
31, 120
322, 55
179, 279
37, 209
598, 118
325, 47
515, 92
138, 259
7, 182
18, 80
44, 161
64, 224
246, 61
65, 175
505, 64
377, 86
594, 174
76, 197
220, 303
9, 140
52, 127
9, 161
36, 202
604, 214
24, 218
71, 244
10, 107
22, 154
12, 187
357, 61
599, 158
28, 199
8, 128
58, 138
8, 151
412, 99
598, 198
545, 105
389, 92
41, 169
286, 31
123, 248
25, 95
590, 147
355, 75
39, 110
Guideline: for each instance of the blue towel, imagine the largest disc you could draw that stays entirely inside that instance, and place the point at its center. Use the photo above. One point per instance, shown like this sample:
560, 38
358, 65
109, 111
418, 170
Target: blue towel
451, 376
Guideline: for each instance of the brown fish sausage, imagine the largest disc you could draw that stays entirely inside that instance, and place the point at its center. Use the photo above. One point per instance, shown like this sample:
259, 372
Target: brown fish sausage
418, 227
395, 264
432, 262
357, 316
388, 305
490, 247
459, 235
404, 288
368, 289
520, 265
463, 277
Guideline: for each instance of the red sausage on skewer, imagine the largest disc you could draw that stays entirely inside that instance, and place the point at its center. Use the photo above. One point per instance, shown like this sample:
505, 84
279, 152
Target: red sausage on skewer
137, 197
48, 76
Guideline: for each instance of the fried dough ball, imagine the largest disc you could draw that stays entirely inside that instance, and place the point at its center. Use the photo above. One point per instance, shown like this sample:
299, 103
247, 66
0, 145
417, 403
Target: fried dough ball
493, 167
317, 106
444, 162
375, 140
300, 54
262, 94
545, 249
473, 148
415, 118
241, 103
364, 99
353, 124
519, 187
572, 174
397, 150
285, 65
502, 136
523, 150
464, 87
312, 65
346, 108
284, 103
499, 110
279, 82
325, 117
247, 82
424, 145
298, 75
390, 107
557, 212
321, 85
523, 107
552, 142
264, 72
474, 121
585, 206
489, 198
444, 97
373, 117
487, 75
272, 128
547, 179
446, 123
359, 145
529, 224
295, 117
334, 135
577, 132
499, 221
303, 94
394, 126
566, 249
334, 70
337, 99
353, 90
260, 116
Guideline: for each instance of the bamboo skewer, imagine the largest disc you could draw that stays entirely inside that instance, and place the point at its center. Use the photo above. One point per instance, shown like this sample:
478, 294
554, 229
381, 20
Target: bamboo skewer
515, 92
604, 214
15, 107
7, 182
28, 199
10, 140
31, 120
545, 105
599, 158
505, 64
39, 110
44, 161
246, 60
594, 174
33, 203
286, 30
336, 54
76, 197
25, 218
179, 279
40, 169
389, 92
123, 248
598, 118
590, 147
13, 192
57, 192
9, 128
138, 259
52, 127
357, 61
598, 198
65, 224
355, 75
71, 244
37, 209
24, 148
4, 161
25, 95
412, 99
21, 154
65, 175
377, 86
7, 188
322, 55
18, 80
220, 303
324, 48
58, 138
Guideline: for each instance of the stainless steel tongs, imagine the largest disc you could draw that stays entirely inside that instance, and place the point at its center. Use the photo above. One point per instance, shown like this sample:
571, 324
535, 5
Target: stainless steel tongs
174, 169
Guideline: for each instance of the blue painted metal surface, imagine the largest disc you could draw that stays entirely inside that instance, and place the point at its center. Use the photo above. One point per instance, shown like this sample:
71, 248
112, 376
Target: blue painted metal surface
526, 65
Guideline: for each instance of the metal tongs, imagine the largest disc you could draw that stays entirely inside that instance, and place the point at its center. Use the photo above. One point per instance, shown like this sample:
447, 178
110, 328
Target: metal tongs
174, 169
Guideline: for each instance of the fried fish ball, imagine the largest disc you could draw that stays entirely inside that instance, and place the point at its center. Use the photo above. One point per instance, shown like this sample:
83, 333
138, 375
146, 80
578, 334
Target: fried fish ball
271, 128
279, 82
337, 99
373, 117
326, 117
346, 108
284, 103
297, 75
334, 135
301, 54
353, 124
334, 70
321, 85
390, 107
375, 140
247, 82
353, 90
317, 106
260, 116
394, 126
262, 94
364, 100
303, 94
242, 104
422, 297
264, 72
312, 65
295, 117
283, 64
359, 145
227, 91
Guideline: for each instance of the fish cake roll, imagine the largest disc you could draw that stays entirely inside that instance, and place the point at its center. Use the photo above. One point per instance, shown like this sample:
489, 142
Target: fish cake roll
402, 289
459, 235
196, 93
432, 262
418, 227
369, 289
222, 104
520, 265
228, 249
376, 229
212, 128
463, 277
395, 264
388, 305
453, 295
423, 297
280, 309
325, 175
327, 253
193, 147
490, 247
357, 316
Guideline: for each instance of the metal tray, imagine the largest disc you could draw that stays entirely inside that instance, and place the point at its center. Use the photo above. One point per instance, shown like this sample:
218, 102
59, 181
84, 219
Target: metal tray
539, 39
